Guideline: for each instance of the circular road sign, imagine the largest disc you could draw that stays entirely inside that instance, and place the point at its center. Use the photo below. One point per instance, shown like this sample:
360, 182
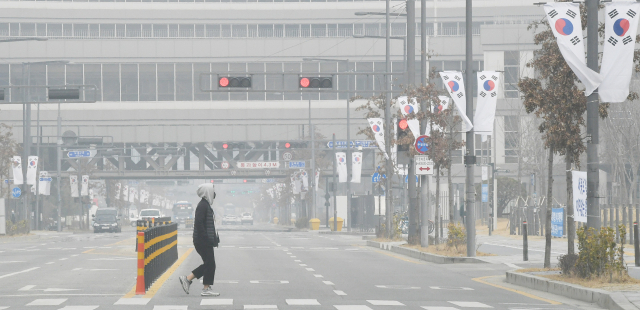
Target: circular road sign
225, 165
287, 156
233, 172
16, 192
267, 172
421, 144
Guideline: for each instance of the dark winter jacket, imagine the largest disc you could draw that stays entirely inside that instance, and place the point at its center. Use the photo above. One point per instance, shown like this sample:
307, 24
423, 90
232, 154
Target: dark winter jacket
204, 226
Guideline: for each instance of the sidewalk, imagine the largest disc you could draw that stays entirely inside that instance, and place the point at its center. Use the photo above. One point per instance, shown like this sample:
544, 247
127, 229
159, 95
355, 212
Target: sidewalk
509, 251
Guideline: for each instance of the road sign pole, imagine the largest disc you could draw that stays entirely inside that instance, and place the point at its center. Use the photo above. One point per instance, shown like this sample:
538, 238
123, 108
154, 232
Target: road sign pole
335, 186
470, 191
58, 163
312, 134
349, 221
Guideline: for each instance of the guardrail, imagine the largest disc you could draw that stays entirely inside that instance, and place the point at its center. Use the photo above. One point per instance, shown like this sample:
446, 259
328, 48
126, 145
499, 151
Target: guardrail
157, 251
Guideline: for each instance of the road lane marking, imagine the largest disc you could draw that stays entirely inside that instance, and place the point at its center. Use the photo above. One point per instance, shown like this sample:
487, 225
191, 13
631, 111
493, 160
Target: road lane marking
49, 263
63, 258
340, 293
318, 276
165, 276
132, 301
216, 302
26, 288
79, 308
123, 241
469, 304
169, 307
352, 307
302, 302
328, 282
18, 272
385, 302
12, 261
481, 280
88, 251
310, 269
260, 307
303, 265
47, 302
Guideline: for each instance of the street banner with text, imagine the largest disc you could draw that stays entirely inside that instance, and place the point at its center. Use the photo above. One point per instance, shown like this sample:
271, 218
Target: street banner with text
73, 183
32, 170
341, 159
488, 82
579, 196
85, 186
44, 188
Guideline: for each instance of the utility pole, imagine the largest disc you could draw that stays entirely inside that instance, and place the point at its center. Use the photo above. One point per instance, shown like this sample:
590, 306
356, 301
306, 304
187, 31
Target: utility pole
335, 186
58, 163
414, 211
387, 124
312, 184
349, 220
411, 43
593, 163
424, 106
470, 156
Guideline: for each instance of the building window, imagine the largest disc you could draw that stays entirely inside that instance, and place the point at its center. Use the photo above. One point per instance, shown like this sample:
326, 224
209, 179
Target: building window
511, 74
184, 82
147, 82
111, 82
511, 139
165, 82
129, 82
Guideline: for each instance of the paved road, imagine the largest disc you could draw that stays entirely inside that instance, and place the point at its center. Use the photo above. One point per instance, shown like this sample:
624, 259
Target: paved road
258, 268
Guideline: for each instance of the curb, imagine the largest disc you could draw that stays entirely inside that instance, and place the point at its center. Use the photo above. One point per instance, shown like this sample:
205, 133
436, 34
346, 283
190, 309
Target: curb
428, 257
604, 299
357, 233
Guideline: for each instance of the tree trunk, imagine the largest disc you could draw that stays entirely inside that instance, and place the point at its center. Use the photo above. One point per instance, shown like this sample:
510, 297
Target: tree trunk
437, 214
571, 224
547, 224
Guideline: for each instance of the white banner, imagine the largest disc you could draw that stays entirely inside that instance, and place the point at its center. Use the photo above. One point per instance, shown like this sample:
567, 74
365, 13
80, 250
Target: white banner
73, 183
317, 178
118, 187
16, 164
125, 192
579, 196
132, 194
341, 159
356, 167
488, 82
455, 85
485, 173
438, 107
621, 26
377, 127
407, 108
564, 19
85, 186
44, 188
295, 184
304, 176
32, 170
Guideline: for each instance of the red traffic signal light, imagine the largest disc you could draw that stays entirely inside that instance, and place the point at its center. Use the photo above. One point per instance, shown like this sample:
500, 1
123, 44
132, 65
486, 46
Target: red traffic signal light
225, 146
287, 145
403, 124
316, 82
234, 81
245, 181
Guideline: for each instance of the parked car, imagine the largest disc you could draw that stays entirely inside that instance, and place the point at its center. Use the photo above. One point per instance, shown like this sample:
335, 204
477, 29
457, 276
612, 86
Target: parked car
106, 219
246, 218
229, 220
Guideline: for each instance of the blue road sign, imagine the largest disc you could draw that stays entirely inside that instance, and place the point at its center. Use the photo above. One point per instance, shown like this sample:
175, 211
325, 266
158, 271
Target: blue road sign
367, 144
16, 192
79, 154
557, 222
49, 179
376, 177
485, 192
296, 164
7, 181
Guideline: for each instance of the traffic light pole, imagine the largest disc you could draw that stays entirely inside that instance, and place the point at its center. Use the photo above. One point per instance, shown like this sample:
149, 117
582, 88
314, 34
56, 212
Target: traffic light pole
387, 124
470, 162
335, 186
313, 167
593, 181
349, 164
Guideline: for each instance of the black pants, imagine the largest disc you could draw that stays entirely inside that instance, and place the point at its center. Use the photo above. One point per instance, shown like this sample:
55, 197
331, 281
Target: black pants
208, 267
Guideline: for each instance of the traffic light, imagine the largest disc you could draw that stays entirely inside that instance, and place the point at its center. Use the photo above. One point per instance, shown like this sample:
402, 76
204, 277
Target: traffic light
295, 145
235, 81
403, 131
316, 82
225, 146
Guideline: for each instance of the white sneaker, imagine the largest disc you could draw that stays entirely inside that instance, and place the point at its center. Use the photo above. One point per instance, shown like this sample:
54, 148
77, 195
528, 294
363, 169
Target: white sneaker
209, 292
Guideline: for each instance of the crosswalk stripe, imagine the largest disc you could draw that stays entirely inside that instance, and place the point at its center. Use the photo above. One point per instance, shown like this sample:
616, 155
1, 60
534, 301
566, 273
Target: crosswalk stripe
47, 302
216, 302
132, 301
352, 307
302, 302
385, 303
169, 307
260, 307
340, 293
470, 304
79, 308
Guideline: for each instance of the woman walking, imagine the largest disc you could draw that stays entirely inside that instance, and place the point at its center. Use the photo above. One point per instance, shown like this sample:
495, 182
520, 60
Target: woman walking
205, 238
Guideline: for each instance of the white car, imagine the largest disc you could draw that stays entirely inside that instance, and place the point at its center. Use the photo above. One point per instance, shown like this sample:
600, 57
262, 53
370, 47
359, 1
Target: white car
148, 214
246, 218
229, 219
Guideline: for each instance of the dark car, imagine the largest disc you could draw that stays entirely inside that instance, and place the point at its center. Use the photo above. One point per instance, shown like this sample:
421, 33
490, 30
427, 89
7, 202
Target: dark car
106, 220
